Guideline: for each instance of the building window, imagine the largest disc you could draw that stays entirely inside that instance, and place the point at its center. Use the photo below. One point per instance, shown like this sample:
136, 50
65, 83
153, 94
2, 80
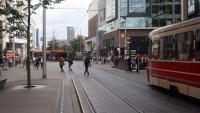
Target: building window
155, 9
177, 9
169, 9
197, 52
162, 1
155, 1
155, 22
162, 9
169, 0
191, 7
155, 49
183, 46
166, 48
123, 7
162, 21
198, 7
177, 0
169, 21
177, 20
137, 6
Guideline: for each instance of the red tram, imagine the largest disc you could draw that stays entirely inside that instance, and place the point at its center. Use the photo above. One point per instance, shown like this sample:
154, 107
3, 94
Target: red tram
50, 54
174, 61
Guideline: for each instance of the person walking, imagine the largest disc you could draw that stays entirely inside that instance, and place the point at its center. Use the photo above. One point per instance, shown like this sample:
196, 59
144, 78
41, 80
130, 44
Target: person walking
24, 63
87, 63
61, 63
70, 61
137, 63
38, 62
41, 62
129, 64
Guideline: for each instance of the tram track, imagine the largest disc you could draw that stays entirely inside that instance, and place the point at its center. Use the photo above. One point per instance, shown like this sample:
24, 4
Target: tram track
84, 101
116, 93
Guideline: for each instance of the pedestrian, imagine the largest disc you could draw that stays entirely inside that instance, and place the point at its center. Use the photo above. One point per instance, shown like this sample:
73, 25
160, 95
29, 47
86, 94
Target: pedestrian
41, 63
129, 64
38, 62
87, 63
61, 63
70, 61
137, 63
24, 63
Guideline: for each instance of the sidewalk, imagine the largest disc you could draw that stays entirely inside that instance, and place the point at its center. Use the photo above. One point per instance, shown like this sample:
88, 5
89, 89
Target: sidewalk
45, 98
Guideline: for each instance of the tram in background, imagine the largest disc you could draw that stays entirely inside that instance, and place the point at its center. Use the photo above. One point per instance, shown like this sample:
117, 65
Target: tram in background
174, 57
52, 55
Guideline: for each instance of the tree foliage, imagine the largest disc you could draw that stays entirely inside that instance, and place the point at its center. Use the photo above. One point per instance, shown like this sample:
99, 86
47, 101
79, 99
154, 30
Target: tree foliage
54, 45
16, 15
77, 44
17, 22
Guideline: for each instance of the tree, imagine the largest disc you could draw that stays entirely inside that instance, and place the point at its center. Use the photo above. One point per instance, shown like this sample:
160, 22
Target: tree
77, 44
55, 45
17, 22
52, 45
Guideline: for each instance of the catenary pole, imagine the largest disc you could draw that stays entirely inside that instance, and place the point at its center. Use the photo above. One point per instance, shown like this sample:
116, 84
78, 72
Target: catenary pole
44, 75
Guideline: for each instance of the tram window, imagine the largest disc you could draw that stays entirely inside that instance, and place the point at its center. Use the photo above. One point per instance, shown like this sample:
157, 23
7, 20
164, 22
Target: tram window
155, 49
166, 48
197, 54
183, 46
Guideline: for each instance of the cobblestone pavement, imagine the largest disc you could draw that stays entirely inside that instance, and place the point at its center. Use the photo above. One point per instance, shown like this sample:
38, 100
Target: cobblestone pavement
45, 98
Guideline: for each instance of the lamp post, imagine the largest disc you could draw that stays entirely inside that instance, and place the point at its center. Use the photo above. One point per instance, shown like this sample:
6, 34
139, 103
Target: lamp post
125, 42
44, 74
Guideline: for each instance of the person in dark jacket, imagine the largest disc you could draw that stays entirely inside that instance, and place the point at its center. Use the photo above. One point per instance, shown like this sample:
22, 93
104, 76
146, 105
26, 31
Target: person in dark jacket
138, 60
87, 63
70, 61
129, 64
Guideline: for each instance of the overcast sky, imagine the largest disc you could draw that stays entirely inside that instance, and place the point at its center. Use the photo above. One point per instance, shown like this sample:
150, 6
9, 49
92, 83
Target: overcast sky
59, 19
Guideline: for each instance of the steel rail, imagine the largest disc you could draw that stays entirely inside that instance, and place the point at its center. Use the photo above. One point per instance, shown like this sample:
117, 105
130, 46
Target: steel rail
116, 93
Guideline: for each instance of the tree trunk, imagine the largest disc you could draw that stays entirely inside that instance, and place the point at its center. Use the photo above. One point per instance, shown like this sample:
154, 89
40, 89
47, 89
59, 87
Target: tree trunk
28, 47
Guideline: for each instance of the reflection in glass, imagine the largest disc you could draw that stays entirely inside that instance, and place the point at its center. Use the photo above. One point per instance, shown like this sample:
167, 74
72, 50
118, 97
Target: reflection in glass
197, 55
183, 46
139, 22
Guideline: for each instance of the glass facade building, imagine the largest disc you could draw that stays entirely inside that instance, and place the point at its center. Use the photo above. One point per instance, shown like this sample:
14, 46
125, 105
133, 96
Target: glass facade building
137, 18
150, 13
193, 8
165, 12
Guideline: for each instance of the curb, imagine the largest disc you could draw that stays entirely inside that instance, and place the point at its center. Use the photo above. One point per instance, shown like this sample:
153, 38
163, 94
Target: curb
84, 102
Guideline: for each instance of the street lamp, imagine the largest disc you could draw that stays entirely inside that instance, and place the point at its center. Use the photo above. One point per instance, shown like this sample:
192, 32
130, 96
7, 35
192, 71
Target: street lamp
125, 42
44, 73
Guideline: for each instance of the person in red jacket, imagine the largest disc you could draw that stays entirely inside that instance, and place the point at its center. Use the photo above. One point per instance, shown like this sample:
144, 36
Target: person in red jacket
61, 63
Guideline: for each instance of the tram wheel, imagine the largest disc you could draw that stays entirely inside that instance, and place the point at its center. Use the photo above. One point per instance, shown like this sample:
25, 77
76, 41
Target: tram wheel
174, 90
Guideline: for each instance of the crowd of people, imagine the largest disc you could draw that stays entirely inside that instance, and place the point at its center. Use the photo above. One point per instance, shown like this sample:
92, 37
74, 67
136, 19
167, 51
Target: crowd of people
87, 63
133, 63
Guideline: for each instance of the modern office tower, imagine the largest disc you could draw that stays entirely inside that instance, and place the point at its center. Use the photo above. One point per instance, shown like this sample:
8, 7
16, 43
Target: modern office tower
165, 12
37, 39
124, 25
91, 41
70, 34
